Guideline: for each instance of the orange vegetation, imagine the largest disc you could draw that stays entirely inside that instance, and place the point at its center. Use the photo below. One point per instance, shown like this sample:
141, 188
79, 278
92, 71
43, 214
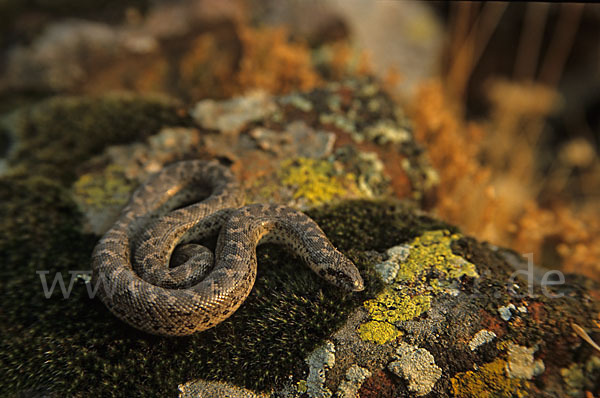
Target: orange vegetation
488, 181
271, 62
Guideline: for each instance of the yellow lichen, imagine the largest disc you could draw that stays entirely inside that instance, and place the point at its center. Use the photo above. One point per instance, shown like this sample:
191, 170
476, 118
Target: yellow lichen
301, 386
392, 307
108, 188
429, 252
386, 309
315, 180
378, 332
433, 250
489, 381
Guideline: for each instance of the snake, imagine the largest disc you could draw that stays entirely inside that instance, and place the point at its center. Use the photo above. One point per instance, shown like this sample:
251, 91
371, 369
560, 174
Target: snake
151, 270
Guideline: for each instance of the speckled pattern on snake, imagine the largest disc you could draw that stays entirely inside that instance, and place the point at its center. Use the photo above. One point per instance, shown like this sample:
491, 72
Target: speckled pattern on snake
154, 276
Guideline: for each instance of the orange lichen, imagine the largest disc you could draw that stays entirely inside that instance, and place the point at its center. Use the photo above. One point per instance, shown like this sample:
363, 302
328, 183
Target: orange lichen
490, 380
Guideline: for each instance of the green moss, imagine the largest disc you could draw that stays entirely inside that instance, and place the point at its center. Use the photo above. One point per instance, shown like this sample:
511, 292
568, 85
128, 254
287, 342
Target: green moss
315, 180
75, 346
379, 224
378, 332
489, 381
56, 135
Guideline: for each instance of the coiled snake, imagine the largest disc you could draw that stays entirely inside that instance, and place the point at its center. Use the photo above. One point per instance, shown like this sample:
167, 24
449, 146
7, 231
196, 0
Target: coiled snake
151, 274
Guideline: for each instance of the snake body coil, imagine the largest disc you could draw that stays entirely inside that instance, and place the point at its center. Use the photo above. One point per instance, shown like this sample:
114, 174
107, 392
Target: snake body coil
152, 275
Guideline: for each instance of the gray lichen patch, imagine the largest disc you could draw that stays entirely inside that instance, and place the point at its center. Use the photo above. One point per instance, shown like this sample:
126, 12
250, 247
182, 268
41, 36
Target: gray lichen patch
232, 115
319, 362
482, 337
388, 270
416, 366
506, 311
385, 132
298, 101
297, 140
355, 376
521, 362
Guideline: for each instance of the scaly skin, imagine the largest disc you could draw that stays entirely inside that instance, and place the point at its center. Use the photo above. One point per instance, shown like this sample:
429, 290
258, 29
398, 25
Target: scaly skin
130, 264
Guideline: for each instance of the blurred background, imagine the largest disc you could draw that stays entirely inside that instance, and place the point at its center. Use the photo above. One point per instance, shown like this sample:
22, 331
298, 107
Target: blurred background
504, 97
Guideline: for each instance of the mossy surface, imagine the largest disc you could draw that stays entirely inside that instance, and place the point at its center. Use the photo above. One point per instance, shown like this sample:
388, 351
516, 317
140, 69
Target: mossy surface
581, 377
58, 134
75, 346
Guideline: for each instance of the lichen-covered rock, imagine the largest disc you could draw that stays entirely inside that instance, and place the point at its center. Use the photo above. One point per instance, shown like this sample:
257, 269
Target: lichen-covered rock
442, 314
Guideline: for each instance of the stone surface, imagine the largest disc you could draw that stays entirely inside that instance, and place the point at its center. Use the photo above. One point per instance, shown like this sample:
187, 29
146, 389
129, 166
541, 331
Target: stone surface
437, 316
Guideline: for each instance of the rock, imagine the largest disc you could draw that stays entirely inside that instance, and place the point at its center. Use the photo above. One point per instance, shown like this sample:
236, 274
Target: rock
437, 315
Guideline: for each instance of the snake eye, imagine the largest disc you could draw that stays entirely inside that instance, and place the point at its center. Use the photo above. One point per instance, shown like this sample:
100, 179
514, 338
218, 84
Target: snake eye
346, 275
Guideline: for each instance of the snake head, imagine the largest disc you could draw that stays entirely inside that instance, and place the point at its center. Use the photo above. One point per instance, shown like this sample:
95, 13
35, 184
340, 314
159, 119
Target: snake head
342, 272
